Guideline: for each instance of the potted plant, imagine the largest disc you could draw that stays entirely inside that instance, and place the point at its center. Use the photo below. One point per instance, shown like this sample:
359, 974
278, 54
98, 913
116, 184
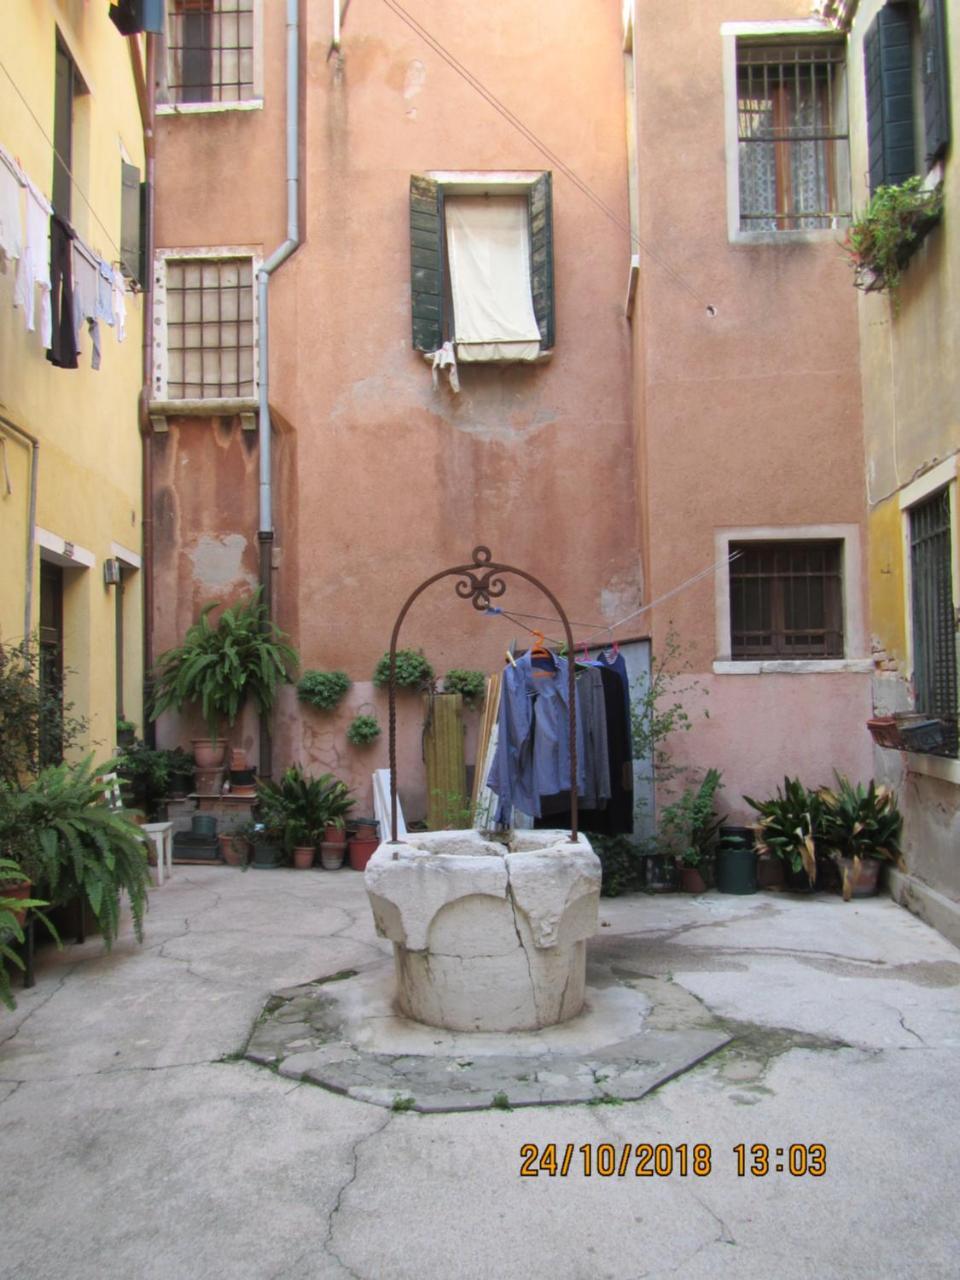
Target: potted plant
688, 831
13, 912
471, 685
217, 667
323, 689
413, 671
146, 771
790, 824
235, 845
339, 802
861, 828
363, 730
881, 240
126, 731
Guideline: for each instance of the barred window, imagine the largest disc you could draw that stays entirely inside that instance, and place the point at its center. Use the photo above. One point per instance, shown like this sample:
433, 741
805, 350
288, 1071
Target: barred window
934, 622
210, 50
786, 600
792, 136
210, 330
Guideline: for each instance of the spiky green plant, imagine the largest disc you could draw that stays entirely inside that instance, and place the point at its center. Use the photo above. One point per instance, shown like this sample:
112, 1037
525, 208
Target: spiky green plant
78, 846
217, 667
790, 825
860, 823
300, 806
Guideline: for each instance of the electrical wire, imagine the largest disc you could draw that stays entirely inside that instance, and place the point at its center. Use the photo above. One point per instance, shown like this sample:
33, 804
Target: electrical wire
544, 149
80, 191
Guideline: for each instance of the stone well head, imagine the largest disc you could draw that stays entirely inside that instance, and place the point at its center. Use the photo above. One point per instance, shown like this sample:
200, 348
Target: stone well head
488, 934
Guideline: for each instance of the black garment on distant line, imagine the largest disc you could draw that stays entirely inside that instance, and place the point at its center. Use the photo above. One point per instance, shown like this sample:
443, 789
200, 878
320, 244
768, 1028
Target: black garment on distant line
63, 342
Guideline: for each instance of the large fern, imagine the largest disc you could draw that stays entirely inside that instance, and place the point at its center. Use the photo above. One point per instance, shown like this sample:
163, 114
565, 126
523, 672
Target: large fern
218, 667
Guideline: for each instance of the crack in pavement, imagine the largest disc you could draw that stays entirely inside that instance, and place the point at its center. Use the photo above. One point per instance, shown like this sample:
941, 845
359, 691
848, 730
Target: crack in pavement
45, 1001
910, 1030
355, 1153
107, 1071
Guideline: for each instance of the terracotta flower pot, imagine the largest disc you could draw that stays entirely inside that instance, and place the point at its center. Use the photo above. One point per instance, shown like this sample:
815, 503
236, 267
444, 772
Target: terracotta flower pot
361, 851
867, 883
692, 881
238, 760
230, 850
332, 855
208, 754
303, 857
17, 889
209, 782
769, 871
334, 835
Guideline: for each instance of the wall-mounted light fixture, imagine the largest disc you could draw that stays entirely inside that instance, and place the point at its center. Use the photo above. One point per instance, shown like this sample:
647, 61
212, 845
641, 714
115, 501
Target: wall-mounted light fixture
111, 572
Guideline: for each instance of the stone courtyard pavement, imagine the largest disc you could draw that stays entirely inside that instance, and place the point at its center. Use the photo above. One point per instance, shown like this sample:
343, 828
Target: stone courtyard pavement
138, 1141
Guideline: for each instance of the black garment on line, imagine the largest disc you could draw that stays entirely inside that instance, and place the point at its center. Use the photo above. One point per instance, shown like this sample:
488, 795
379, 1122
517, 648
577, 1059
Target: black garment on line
63, 342
616, 818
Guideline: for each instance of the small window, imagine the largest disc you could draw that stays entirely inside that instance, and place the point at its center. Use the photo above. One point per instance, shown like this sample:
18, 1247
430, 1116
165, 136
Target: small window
482, 267
68, 86
210, 328
210, 51
786, 600
933, 619
792, 135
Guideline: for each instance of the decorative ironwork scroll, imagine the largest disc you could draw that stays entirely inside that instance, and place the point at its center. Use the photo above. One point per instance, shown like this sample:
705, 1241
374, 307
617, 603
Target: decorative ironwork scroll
480, 582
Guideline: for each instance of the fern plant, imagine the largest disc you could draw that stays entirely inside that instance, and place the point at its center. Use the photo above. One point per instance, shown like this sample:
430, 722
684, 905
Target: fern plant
11, 929
217, 667
80, 847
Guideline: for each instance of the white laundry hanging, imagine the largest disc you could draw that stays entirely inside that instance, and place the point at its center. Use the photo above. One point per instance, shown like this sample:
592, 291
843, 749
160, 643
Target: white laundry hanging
33, 269
11, 210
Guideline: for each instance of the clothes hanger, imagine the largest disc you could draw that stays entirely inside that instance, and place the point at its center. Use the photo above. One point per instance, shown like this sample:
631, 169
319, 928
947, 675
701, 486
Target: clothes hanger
539, 650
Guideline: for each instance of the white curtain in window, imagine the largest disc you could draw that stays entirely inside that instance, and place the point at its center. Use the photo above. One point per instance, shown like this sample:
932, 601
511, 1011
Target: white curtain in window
488, 249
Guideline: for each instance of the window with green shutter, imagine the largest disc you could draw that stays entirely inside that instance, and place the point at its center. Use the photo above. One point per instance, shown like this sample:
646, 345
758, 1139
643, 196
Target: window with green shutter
483, 260
934, 622
132, 210
906, 83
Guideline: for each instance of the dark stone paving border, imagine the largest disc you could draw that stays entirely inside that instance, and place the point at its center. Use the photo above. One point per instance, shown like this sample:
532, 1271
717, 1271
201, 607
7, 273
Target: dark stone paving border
301, 1034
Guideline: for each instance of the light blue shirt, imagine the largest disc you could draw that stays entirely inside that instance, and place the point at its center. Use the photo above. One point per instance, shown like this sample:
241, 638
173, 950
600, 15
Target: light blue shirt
533, 747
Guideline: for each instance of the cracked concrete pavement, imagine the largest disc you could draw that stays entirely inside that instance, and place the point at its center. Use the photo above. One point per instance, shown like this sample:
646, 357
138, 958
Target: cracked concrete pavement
137, 1142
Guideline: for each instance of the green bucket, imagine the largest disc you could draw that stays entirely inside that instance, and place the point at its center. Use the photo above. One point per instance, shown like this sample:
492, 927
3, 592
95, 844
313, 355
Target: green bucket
736, 861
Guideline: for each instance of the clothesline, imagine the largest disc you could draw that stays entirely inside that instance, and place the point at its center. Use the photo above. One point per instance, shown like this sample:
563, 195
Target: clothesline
610, 627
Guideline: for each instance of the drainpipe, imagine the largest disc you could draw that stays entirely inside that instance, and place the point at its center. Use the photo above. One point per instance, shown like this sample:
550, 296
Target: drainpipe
147, 96
276, 259
34, 446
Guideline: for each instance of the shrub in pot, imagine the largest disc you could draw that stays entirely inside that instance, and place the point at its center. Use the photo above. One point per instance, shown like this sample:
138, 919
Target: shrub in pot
861, 828
218, 667
363, 730
323, 689
413, 671
471, 685
688, 831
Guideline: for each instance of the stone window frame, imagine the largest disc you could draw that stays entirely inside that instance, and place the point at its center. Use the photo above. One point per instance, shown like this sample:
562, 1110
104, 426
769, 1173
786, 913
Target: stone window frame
802, 31
253, 103
855, 657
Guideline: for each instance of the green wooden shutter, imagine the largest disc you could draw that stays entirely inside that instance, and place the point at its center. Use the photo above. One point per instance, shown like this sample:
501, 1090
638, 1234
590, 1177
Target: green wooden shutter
541, 257
130, 221
888, 69
936, 91
426, 262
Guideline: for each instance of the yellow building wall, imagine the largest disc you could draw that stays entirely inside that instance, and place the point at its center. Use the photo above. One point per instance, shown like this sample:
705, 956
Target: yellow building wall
887, 579
84, 421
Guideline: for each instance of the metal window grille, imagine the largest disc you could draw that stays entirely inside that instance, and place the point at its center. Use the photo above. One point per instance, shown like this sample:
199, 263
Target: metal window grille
210, 335
786, 600
210, 50
934, 621
792, 142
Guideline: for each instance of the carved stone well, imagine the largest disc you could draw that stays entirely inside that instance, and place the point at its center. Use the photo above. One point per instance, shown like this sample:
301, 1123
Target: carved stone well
487, 935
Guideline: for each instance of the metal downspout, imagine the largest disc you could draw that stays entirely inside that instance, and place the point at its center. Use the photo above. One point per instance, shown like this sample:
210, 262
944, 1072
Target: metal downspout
34, 445
276, 259
146, 430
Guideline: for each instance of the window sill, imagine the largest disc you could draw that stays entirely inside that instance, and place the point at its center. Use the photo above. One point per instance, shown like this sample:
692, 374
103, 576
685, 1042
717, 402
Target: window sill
245, 406
942, 767
794, 667
207, 108
818, 235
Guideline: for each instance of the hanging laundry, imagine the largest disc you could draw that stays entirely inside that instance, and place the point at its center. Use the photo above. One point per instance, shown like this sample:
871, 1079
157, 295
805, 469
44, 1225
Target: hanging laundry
533, 750
11, 215
86, 275
63, 341
105, 293
120, 304
444, 358
33, 269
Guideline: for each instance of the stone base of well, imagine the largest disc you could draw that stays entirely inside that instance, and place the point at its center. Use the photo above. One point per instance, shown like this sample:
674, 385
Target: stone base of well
488, 936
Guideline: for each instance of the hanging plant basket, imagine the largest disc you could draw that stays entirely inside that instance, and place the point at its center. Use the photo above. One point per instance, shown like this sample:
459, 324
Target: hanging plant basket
885, 236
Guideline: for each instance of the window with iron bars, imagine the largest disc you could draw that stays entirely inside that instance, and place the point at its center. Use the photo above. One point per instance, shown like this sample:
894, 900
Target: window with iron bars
792, 136
210, 328
210, 51
786, 600
933, 619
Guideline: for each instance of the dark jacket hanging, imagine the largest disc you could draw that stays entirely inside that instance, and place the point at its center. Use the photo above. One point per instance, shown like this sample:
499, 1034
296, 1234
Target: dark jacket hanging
63, 343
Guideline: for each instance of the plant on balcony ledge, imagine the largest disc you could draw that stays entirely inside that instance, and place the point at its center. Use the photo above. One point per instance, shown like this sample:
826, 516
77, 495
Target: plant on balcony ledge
881, 241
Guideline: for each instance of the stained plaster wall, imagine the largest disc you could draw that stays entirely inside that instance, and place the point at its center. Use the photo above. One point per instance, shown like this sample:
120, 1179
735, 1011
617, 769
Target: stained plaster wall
911, 392
393, 480
748, 418
84, 420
